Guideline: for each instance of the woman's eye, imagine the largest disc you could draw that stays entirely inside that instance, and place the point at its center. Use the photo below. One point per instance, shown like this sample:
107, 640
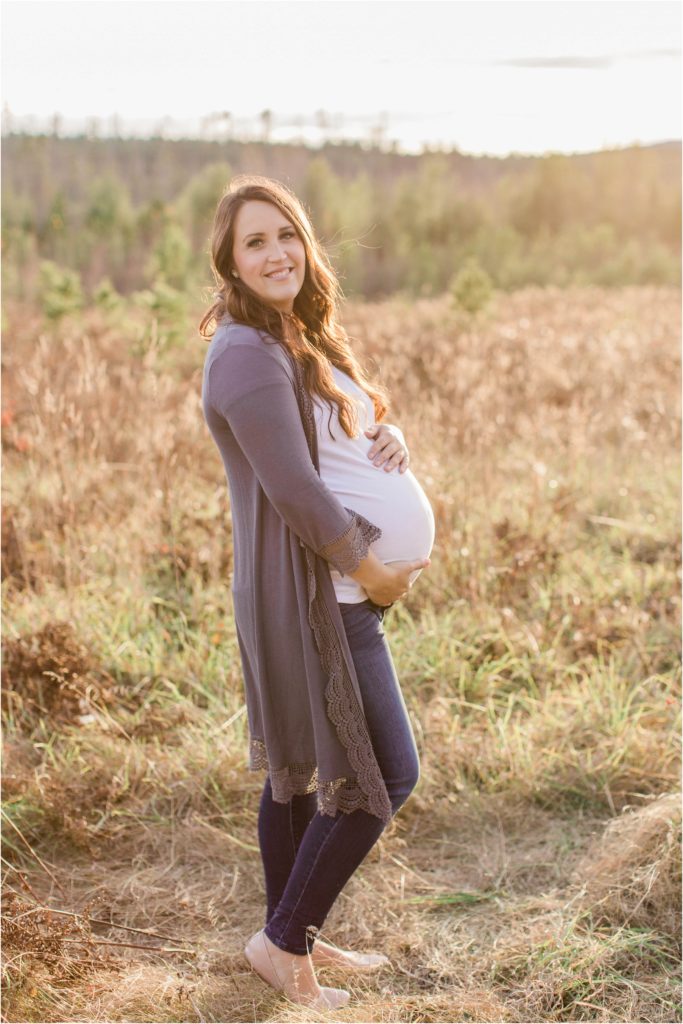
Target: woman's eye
287, 234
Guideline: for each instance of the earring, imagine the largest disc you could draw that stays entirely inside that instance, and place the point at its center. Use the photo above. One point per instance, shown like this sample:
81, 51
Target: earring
234, 273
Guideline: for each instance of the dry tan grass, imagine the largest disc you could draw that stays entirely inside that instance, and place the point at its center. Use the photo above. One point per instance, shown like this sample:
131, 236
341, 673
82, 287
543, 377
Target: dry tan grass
534, 873
632, 876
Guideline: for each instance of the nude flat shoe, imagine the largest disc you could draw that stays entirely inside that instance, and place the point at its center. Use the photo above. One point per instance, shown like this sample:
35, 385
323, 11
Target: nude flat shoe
326, 999
355, 961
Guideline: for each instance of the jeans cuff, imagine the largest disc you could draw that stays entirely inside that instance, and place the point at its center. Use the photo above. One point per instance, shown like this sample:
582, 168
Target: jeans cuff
283, 945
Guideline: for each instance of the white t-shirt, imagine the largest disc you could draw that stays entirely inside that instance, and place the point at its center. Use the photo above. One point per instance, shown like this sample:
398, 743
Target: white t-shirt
393, 501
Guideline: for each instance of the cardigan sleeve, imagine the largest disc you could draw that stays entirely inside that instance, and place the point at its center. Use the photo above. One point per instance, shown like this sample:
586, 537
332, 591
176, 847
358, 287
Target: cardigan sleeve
251, 390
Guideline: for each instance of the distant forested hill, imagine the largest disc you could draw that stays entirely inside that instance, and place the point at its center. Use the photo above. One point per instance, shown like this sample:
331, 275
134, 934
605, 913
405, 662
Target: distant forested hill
135, 211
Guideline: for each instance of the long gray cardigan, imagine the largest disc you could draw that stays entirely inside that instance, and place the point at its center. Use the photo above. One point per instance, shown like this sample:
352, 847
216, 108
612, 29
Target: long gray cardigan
307, 726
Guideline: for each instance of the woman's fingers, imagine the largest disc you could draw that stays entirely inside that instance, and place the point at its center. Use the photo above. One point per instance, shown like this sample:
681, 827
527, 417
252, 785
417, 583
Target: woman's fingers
384, 446
388, 449
392, 454
403, 463
397, 459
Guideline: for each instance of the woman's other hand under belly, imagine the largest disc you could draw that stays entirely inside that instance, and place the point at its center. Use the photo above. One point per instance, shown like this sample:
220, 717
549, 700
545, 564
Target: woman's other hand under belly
397, 582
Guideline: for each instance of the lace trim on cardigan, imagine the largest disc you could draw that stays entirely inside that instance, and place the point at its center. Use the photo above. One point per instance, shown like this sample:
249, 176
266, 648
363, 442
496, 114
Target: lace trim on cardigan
347, 551
369, 790
299, 778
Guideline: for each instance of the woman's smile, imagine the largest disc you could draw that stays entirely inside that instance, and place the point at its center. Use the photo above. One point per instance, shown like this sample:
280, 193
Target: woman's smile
280, 275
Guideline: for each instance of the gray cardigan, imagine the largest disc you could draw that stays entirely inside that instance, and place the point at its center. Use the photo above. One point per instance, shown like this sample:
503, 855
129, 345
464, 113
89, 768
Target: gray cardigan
307, 726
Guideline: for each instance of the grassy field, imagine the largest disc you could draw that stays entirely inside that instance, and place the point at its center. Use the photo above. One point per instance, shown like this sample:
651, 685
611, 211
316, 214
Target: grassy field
534, 874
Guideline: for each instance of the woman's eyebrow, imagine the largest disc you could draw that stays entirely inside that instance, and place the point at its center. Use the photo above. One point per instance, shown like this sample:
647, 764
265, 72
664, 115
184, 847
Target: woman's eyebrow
285, 227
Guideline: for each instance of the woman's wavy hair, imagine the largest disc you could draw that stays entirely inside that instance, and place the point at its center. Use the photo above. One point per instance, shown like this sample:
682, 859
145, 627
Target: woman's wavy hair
312, 333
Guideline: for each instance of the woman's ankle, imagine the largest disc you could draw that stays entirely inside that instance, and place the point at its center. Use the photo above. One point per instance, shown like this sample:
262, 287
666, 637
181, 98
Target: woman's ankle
281, 949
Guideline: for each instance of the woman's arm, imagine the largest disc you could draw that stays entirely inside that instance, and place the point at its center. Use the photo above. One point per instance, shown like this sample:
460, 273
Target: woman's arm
252, 391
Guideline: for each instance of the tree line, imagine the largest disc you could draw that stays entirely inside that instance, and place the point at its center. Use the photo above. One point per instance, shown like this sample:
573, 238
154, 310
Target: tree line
120, 215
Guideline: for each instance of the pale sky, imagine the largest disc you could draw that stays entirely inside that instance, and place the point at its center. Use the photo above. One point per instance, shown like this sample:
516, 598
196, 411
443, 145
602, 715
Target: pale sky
485, 76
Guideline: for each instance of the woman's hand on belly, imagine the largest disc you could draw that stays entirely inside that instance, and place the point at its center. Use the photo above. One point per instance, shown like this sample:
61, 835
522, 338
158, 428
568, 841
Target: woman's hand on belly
395, 582
387, 447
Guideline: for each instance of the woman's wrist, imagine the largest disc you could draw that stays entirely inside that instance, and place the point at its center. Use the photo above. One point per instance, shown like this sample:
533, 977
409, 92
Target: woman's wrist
371, 571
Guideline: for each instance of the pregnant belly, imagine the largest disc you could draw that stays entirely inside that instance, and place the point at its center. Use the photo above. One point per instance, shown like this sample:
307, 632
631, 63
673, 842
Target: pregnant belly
398, 505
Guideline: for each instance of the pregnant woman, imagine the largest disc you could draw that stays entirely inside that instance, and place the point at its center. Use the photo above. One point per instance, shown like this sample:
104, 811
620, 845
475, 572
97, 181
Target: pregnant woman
329, 528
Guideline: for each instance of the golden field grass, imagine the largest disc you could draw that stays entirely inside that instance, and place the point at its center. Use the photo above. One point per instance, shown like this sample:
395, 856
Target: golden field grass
534, 874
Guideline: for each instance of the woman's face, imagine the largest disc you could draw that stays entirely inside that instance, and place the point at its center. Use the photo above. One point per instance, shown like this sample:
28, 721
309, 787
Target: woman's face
266, 243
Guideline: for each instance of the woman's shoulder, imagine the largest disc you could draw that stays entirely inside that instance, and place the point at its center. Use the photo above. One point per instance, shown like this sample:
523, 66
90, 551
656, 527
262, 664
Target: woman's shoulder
233, 334
239, 348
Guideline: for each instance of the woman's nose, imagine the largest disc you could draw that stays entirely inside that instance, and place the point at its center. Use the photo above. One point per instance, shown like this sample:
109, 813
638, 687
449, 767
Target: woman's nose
277, 253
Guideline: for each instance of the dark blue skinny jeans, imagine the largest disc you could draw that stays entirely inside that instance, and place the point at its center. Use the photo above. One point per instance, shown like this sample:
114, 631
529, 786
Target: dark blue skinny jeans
307, 856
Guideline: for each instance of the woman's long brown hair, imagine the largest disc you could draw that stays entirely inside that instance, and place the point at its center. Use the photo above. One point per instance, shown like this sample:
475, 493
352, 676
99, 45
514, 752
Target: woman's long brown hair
312, 334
